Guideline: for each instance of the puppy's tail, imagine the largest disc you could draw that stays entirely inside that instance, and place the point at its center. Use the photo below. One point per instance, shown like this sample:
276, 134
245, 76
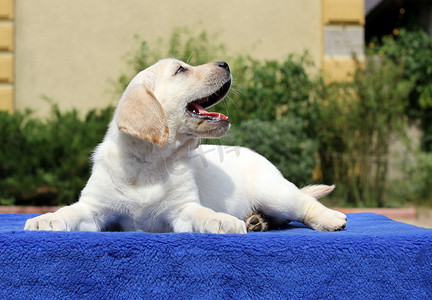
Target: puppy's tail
318, 191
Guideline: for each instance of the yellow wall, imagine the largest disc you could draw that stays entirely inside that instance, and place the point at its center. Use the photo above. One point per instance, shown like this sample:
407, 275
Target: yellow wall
6, 55
343, 12
67, 50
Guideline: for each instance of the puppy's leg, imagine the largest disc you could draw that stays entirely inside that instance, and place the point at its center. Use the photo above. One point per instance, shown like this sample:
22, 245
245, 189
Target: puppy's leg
76, 217
319, 191
193, 217
282, 200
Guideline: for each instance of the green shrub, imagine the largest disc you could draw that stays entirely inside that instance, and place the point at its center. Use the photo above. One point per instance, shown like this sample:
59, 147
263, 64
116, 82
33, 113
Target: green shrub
284, 142
413, 50
356, 122
269, 90
47, 162
418, 189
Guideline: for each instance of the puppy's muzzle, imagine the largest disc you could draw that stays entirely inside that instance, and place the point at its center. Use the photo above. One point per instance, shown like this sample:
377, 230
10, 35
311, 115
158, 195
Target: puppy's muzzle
197, 108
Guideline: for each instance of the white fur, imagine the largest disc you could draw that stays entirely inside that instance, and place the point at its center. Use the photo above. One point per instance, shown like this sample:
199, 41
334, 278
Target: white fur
177, 186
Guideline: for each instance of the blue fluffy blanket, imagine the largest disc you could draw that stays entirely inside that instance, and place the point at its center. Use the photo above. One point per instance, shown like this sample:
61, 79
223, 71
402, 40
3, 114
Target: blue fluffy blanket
373, 258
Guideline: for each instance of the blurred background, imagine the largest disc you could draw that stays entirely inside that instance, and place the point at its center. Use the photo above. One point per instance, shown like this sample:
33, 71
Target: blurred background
333, 91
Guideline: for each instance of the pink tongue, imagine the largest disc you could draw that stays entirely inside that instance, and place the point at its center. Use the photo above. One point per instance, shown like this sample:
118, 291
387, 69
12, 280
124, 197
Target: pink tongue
201, 110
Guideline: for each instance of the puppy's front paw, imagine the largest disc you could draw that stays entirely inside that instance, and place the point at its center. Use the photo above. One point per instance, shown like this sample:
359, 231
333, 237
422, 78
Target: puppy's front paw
47, 221
324, 219
223, 223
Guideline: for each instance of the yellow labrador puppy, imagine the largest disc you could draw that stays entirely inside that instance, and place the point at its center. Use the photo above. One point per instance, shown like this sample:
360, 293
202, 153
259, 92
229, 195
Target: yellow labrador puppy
150, 173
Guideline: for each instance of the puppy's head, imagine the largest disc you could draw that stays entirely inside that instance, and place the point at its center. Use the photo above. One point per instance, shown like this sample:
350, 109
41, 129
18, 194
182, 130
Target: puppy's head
170, 98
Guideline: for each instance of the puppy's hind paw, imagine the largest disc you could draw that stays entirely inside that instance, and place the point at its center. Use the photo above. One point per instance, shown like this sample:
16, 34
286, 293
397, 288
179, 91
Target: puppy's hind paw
257, 222
327, 220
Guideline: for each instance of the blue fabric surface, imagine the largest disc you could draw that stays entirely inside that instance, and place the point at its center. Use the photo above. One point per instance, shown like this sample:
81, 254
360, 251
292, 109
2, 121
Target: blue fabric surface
373, 258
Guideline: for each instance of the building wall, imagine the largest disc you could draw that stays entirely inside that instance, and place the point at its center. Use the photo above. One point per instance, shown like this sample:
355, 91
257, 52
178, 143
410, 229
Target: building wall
343, 26
68, 50
6, 55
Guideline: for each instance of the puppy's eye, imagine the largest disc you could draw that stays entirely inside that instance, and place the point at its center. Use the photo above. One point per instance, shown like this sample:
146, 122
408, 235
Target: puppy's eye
180, 70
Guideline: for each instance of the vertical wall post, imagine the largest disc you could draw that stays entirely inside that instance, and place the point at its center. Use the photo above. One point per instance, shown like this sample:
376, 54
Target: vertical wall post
7, 55
343, 37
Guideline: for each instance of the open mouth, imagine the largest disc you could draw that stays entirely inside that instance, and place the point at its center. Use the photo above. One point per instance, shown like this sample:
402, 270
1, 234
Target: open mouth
198, 107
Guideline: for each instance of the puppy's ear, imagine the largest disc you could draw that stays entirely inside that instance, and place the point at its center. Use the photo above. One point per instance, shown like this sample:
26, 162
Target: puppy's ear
140, 114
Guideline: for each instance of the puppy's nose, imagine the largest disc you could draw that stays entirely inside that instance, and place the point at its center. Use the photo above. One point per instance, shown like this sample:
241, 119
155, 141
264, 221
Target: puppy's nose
223, 65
